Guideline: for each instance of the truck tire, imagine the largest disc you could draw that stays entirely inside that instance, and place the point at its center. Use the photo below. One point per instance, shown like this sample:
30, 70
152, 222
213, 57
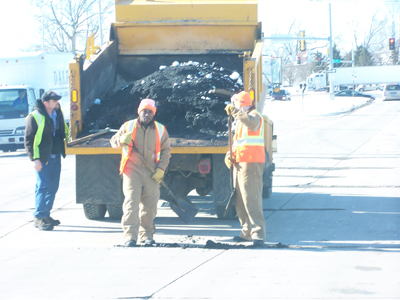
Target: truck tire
221, 187
267, 182
115, 211
94, 211
202, 191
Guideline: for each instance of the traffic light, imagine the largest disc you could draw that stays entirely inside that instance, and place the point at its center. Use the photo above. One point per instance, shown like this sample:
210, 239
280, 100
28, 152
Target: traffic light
391, 44
302, 42
298, 60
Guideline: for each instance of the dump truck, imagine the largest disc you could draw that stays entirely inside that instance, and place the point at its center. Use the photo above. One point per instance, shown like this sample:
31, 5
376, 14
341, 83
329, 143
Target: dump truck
146, 35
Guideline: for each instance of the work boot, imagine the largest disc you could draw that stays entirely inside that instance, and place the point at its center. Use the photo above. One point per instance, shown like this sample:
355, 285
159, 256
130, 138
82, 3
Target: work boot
52, 221
149, 242
131, 243
43, 224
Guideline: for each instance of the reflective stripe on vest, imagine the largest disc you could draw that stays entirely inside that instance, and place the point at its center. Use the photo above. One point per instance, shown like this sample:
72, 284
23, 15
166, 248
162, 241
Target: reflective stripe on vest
249, 145
130, 126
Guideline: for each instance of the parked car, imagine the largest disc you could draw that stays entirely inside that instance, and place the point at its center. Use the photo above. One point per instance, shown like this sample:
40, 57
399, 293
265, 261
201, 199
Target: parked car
369, 87
349, 93
281, 95
391, 91
341, 87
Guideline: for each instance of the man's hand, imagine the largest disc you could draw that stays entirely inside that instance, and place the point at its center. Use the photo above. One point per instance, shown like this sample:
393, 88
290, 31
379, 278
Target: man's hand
230, 108
228, 161
37, 165
158, 175
126, 138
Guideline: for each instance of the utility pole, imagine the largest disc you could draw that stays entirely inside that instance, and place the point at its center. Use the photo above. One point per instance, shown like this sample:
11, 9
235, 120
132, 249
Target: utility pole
42, 31
100, 26
331, 87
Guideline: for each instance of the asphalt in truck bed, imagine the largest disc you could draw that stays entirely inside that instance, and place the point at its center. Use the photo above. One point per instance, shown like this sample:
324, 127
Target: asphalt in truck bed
186, 102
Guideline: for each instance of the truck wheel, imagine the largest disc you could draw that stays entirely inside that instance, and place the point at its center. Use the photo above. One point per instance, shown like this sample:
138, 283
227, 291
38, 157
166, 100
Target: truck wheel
94, 211
221, 187
361, 90
202, 191
115, 211
267, 183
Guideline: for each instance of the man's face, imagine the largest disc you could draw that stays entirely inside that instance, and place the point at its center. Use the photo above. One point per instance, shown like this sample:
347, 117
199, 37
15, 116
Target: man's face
21, 94
244, 108
52, 104
146, 115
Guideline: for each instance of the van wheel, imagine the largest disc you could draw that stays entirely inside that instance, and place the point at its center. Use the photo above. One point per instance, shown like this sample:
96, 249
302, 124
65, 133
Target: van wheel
361, 90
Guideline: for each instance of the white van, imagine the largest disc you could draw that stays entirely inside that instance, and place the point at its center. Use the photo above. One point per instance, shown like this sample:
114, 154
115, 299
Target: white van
25, 77
391, 91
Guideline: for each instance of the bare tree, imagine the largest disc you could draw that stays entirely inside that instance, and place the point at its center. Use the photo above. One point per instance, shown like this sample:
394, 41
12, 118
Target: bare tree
373, 36
287, 50
68, 23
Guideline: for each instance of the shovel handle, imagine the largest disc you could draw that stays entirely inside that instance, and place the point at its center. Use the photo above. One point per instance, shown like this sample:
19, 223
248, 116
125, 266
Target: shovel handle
230, 137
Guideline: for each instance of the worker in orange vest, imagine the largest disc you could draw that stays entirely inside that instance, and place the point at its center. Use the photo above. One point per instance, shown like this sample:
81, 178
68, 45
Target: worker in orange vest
248, 162
141, 187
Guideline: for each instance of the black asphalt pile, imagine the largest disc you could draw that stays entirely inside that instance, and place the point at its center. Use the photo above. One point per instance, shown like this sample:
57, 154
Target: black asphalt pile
185, 101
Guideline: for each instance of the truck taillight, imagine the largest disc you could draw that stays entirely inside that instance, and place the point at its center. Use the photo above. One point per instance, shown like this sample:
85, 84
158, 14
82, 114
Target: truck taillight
205, 166
74, 107
251, 93
74, 96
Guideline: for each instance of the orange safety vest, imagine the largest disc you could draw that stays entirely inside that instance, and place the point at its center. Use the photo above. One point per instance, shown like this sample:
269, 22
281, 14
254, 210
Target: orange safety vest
126, 150
249, 145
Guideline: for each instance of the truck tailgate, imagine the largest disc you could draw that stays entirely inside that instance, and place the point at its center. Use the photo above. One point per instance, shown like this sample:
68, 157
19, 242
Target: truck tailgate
100, 144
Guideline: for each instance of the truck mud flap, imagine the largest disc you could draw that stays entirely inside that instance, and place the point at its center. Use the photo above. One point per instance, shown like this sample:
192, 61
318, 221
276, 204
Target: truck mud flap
98, 180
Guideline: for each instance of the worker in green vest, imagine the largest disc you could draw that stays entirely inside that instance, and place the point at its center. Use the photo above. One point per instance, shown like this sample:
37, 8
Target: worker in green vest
44, 143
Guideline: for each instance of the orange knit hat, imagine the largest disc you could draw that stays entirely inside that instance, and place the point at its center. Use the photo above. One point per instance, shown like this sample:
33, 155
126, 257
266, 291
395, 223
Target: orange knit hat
149, 104
243, 99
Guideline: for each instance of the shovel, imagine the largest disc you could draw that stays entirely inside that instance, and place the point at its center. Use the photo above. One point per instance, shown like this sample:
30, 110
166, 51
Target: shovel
185, 210
232, 198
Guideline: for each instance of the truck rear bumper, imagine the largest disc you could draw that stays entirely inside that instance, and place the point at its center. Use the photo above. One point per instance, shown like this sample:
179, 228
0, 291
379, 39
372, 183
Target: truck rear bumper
11, 142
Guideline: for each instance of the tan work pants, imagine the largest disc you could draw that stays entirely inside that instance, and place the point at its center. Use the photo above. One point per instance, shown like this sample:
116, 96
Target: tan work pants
248, 182
140, 205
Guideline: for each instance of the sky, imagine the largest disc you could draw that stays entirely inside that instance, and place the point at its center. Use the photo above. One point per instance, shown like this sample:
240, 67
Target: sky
19, 27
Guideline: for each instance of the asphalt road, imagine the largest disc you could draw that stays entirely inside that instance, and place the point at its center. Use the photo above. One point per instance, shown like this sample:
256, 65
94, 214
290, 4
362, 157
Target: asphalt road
332, 226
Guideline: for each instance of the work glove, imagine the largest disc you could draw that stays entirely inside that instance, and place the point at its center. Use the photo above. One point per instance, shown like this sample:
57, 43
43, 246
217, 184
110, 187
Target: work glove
230, 108
158, 175
228, 161
126, 138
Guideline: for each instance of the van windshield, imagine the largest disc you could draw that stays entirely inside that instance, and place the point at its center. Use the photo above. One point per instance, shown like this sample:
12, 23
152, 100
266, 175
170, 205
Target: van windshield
13, 104
393, 87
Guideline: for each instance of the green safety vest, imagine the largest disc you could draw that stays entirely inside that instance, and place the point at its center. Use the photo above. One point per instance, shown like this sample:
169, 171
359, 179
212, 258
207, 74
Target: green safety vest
40, 120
